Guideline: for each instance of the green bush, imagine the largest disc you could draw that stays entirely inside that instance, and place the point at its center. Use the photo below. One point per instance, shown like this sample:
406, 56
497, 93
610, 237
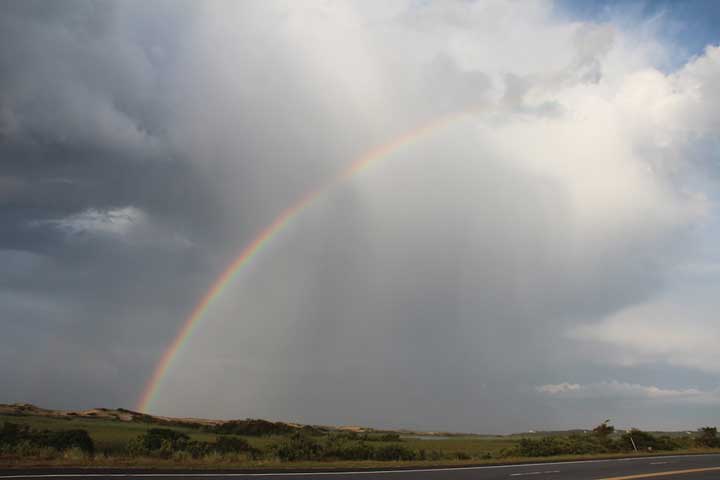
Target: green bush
22, 440
645, 441
75, 453
164, 438
251, 427
394, 452
160, 442
196, 449
182, 456
385, 437
12, 433
708, 437
339, 449
166, 443
368, 437
68, 439
604, 430
579, 444
462, 456
27, 449
136, 447
432, 455
541, 447
225, 445
297, 446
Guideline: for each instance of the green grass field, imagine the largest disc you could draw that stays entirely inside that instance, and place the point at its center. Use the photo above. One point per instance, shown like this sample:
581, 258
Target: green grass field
111, 438
473, 445
113, 435
108, 435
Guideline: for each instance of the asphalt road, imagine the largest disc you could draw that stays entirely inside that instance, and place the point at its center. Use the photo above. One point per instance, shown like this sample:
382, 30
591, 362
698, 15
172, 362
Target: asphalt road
697, 467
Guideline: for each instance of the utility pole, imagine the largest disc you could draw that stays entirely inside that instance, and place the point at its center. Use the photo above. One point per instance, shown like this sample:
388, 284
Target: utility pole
631, 440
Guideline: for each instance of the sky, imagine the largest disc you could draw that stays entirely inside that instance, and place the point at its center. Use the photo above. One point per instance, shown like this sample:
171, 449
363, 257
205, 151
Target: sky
547, 259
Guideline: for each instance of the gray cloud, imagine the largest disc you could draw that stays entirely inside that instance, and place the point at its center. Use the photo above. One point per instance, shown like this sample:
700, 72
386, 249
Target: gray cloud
144, 146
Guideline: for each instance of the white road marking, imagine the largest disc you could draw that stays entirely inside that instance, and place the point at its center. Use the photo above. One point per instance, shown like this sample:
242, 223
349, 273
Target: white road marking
361, 472
659, 463
534, 473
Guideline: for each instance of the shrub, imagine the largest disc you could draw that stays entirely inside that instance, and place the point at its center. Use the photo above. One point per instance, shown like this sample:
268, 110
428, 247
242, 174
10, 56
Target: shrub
339, 448
68, 439
181, 456
394, 452
166, 443
462, 456
579, 444
646, 441
297, 446
542, 447
365, 437
214, 457
667, 443
75, 453
161, 442
27, 449
433, 456
167, 449
159, 438
12, 433
136, 447
708, 437
225, 445
604, 430
22, 439
252, 427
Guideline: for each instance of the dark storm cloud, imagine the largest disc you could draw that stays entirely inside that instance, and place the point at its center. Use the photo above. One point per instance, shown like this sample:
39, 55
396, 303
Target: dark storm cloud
84, 106
82, 132
107, 113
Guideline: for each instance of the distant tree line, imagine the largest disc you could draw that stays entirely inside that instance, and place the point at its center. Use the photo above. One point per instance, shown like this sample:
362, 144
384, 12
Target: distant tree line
257, 427
369, 437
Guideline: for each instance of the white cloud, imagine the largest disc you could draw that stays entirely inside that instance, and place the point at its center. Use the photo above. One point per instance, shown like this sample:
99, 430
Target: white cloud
118, 221
130, 225
614, 389
559, 388
678, 331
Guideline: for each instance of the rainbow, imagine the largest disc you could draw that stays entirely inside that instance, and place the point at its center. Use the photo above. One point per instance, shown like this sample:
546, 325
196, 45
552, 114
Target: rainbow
264, 236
